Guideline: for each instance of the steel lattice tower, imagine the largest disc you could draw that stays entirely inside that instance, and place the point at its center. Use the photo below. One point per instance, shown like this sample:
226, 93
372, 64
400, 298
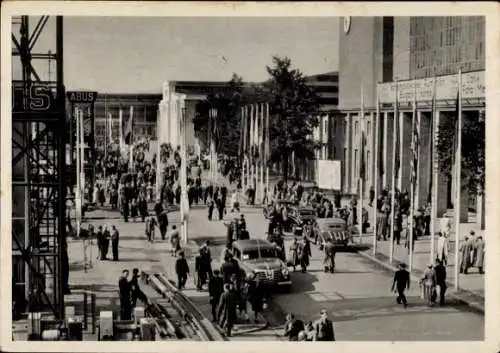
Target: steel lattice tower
39, 250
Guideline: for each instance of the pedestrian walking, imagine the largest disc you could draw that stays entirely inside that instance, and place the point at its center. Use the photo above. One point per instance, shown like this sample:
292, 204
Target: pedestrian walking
136, 292
226, 312
428, 284
174, 241
215, 290
211, 206
440, 275
442, 248
125, 302
324, 328
465, 250
304, 254
182, 270
329, 257
100, 242
115, 237
200, 269
294, 254
480, 250
256, 296
401, 282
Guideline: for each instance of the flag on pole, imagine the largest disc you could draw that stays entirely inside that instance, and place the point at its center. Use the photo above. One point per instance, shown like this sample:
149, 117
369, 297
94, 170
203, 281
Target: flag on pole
396, 136
110, 124
458, 171
256, 132
363, 147
130, 127
414, 149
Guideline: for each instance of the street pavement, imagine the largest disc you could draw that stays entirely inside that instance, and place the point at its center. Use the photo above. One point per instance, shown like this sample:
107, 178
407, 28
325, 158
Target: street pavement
357, 296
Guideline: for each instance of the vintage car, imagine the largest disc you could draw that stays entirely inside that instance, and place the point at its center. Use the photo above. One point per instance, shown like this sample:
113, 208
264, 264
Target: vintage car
260, 257
303, 217
333, 230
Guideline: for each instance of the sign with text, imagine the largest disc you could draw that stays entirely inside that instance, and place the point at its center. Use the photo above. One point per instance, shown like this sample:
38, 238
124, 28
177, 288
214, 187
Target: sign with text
329, 174
81, 96
32, 96
473, 86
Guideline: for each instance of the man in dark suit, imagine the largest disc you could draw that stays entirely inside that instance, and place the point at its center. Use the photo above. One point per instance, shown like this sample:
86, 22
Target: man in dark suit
215, 290
401, 282
125, 302
324, 328
440, 271
293, 327
226, 312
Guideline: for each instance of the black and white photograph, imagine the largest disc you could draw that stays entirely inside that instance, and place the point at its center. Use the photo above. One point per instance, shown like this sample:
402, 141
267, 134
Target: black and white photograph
248, 176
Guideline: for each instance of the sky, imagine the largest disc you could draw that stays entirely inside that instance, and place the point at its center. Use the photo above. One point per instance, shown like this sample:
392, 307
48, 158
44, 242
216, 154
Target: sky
136, 55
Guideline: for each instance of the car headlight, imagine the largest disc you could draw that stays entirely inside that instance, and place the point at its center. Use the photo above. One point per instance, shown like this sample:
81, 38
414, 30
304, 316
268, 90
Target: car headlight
284, 271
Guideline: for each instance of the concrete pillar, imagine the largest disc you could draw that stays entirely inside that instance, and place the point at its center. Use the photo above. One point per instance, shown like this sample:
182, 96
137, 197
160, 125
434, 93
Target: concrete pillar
425, 158
385, 156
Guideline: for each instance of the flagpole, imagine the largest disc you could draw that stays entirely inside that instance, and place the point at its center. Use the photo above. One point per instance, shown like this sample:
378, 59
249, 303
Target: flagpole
361, 159
393, 179
131, 145
257, 160
458, 185
251, 135
261, 152
413, 181
267, 147
78, 195
120, 129
376, 173
245, 150
434, 180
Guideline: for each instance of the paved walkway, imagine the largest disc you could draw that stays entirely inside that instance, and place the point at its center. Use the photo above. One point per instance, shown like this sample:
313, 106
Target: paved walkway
471, 286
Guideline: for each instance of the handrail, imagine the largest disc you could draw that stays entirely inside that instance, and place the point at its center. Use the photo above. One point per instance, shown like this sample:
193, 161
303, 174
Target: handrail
206, 330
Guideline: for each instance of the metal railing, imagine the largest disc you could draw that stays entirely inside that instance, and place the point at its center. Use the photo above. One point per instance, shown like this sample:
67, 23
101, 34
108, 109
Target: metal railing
202, 326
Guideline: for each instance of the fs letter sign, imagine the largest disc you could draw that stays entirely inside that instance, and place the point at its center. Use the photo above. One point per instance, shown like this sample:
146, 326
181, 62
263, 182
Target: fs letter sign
81, 96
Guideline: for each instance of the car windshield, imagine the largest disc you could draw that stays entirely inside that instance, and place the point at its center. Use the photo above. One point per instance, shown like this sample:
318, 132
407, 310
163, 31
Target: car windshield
259, 254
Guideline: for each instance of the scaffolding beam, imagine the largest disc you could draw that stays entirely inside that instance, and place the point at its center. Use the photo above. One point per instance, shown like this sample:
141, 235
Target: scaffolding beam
39, 249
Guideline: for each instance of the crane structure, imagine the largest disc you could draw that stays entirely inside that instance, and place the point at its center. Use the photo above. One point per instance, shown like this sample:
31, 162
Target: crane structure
39, 136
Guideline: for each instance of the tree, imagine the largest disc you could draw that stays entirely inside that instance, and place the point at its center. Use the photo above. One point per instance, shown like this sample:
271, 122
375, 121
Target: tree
473, 149
293, 107
227, 102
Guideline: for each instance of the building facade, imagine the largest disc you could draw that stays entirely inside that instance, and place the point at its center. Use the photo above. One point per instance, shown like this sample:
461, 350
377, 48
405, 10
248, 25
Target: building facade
107, 111
394, 61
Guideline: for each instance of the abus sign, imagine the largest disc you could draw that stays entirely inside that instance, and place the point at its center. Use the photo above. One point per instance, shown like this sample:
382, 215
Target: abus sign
81, 96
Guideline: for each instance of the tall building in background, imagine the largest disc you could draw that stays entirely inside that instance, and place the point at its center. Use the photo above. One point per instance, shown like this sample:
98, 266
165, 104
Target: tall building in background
379, 53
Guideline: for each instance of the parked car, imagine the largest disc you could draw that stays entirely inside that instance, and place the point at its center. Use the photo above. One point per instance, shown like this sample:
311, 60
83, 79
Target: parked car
260, 257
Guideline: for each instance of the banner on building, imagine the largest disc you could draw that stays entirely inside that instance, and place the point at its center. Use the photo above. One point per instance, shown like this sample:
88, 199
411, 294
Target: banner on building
473, 87
329, 175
